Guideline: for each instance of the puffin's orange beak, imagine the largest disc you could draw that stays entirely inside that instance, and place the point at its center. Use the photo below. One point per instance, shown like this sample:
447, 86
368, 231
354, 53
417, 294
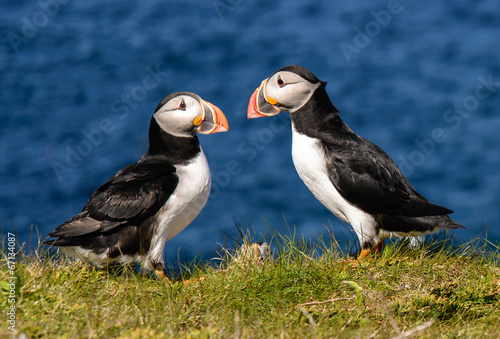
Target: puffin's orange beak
214, 120
259, 106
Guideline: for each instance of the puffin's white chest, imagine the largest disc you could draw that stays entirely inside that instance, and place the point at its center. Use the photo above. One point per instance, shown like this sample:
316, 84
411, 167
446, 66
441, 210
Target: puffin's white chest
188, 199
310, 163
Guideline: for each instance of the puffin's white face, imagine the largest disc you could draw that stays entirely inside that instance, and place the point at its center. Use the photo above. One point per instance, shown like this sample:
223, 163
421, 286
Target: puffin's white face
283, 91
185, 115
290, 90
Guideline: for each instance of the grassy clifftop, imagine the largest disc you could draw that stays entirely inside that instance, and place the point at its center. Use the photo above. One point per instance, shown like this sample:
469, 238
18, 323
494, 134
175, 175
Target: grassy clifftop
304, 291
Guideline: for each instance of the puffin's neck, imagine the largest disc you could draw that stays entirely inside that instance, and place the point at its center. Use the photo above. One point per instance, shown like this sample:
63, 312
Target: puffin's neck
319, 116
174, 149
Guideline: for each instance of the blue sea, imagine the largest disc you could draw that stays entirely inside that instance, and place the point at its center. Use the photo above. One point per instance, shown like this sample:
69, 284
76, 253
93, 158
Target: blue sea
80, 80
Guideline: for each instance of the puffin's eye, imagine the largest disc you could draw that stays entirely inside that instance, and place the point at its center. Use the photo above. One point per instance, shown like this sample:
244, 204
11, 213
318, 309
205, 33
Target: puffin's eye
281, 83
182, 105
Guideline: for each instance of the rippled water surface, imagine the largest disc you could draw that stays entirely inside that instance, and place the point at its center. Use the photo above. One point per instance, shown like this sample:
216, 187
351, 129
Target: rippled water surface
80, 80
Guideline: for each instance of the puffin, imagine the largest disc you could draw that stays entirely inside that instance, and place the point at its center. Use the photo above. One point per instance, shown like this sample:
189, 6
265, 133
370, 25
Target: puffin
130, 217
351, 176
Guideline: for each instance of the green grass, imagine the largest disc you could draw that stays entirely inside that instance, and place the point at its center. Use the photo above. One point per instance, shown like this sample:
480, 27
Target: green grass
308, 290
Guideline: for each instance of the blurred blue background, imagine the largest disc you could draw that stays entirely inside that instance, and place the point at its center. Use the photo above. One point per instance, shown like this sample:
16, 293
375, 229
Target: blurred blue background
80, 80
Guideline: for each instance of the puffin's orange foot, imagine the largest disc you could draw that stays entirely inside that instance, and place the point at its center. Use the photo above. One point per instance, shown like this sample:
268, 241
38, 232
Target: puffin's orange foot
161, 274
193, 281
367, 251
350, 263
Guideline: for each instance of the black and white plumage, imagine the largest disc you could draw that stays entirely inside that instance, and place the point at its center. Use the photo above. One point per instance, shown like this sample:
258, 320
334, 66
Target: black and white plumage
131, 216
352, 177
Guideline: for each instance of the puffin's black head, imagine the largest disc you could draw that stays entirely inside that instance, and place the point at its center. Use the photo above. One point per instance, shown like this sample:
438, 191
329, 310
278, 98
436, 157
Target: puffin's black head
184, 114
301, 71
288, 89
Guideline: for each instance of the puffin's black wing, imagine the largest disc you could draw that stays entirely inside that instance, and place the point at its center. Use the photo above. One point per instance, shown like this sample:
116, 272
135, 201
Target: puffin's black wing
367, 177
132, 195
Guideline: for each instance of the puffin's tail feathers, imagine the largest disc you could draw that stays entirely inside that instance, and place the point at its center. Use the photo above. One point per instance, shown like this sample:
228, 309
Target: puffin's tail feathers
62, 242
427, 224
81, 225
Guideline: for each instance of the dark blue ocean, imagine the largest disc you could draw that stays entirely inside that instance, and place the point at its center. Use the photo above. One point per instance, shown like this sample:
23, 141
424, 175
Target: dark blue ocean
80, 80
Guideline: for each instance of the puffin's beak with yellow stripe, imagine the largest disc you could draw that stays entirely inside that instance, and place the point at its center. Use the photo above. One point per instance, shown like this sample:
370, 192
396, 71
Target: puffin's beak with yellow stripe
260, 105
212, 119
